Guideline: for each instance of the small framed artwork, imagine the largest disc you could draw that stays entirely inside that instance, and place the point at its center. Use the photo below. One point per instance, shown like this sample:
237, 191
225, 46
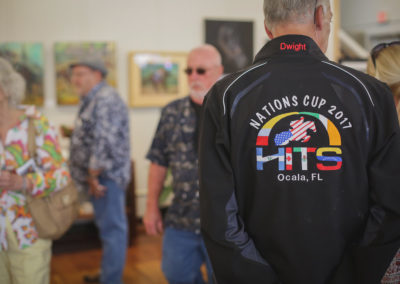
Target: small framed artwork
234, 40
66, 53
156, 78
27, 59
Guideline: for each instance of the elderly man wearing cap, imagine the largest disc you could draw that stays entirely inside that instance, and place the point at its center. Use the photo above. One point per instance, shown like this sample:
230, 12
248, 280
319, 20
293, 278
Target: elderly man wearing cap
100, 161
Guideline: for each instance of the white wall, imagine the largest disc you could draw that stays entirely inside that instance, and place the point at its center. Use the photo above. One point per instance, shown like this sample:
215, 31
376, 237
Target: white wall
359, 18
170, 25
361, 14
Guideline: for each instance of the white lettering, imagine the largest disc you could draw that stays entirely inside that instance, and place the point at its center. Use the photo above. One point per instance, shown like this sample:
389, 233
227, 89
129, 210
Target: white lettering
306, 100
266, 110
278, 104
260, 117
294, 101
291, 178
255, 124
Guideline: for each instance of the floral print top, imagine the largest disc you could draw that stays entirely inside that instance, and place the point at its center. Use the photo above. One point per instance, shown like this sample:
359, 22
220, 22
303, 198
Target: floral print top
48, 172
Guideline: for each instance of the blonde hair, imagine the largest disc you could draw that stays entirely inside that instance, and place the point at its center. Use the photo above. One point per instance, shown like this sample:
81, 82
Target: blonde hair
370, 67
387, 65
387, 69
12, 84
398, 112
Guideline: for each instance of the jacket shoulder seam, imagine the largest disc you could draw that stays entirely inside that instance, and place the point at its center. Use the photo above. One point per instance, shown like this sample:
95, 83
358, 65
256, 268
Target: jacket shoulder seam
355, 77
236, 79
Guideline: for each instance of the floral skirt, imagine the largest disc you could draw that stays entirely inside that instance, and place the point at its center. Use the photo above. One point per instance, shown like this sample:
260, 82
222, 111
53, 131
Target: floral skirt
392, 275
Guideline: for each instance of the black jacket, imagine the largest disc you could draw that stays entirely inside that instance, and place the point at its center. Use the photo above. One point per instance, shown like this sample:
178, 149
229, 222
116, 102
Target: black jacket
299, 171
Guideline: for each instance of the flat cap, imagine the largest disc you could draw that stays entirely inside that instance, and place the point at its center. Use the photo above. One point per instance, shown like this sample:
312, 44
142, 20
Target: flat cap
96, 65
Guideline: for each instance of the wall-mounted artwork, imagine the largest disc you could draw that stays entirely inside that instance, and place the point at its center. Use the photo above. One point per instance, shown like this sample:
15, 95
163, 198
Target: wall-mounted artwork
27, 59
156, 78
234, 40
66, 53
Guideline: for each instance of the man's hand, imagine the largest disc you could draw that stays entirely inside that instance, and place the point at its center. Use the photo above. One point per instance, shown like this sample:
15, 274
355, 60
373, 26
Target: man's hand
152, 221
66, 131
95, 188
10, 181
152, 217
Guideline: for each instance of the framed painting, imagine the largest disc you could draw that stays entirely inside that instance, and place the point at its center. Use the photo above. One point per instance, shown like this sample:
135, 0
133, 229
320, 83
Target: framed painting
156, 78
234, 40
27, 59
66, 53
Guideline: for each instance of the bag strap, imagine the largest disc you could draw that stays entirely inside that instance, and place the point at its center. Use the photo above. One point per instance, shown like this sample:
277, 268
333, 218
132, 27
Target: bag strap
31, 138
31, 145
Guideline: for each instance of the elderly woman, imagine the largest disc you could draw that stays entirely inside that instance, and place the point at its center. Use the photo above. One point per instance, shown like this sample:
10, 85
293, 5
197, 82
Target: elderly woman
384, 64
24, 257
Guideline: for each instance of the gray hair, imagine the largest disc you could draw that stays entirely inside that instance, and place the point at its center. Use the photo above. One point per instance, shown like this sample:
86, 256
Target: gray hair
12, 84
296, 11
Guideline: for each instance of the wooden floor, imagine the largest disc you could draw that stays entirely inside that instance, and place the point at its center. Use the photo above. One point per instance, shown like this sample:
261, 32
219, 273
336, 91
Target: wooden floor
142, 264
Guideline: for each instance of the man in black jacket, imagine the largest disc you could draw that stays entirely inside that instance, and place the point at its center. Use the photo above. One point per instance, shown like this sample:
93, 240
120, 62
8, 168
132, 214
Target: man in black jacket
299, 162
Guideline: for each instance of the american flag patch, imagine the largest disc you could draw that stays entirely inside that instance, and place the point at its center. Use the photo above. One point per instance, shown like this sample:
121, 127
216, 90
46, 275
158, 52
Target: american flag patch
298, 132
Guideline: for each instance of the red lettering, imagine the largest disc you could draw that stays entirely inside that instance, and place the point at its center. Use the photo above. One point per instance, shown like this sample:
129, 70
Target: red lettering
296, 47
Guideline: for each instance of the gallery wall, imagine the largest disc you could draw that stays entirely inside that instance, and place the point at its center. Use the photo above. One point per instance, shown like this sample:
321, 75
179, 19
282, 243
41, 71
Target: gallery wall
376, 21
355, 18
160, 25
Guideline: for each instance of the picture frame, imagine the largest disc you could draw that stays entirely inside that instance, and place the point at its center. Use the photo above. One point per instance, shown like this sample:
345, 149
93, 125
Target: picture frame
66, 53
28, 60
234, 41
156, 78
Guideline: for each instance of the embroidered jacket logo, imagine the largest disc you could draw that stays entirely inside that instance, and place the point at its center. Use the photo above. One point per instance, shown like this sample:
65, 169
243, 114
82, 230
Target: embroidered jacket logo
293, 46
276, 145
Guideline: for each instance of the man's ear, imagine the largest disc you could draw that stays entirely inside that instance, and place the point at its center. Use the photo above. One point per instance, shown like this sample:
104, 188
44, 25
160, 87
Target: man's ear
220, 70
268, 31
319, 17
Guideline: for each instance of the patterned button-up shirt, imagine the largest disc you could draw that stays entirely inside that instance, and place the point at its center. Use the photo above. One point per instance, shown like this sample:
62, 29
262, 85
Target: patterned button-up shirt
47, 171
100, 139
174, 147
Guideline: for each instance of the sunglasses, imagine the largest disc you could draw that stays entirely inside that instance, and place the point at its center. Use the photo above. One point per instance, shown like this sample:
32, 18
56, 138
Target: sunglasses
200, 71
378, 48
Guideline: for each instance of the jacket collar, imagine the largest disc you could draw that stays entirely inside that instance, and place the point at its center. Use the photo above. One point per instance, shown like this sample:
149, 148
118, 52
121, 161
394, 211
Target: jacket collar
290, 45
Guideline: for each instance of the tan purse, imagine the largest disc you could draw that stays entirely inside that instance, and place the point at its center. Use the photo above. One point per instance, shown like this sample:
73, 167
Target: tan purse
53, 214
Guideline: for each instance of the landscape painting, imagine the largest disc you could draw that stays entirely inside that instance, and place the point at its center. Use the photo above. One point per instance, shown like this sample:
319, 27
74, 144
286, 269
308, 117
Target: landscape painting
66, 53
27, 59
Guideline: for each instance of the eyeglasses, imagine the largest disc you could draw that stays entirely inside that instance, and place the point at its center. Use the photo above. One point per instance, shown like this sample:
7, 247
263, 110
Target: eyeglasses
200, 71
378, 48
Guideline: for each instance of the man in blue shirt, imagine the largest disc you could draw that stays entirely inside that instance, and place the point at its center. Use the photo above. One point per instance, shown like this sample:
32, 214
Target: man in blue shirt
100, 161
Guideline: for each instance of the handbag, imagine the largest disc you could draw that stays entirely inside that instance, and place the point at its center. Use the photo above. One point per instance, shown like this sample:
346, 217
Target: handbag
53, 214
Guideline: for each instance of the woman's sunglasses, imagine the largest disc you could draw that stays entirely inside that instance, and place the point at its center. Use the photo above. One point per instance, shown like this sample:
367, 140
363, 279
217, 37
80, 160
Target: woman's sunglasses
200, 71
378, 48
